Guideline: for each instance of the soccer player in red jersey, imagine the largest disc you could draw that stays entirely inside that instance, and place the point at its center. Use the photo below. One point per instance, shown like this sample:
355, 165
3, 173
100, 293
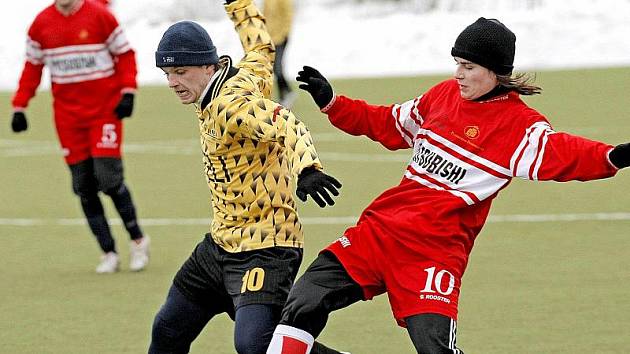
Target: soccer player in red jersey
470, 136
93, 75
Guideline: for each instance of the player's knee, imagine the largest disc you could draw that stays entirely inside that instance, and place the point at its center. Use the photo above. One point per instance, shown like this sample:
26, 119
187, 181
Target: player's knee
83, 182
432, 333
303, 304
253, 327
165, 335
85, 188
109, 174
248, 343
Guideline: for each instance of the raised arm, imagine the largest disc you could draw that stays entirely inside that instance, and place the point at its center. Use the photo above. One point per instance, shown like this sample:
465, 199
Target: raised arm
256, 41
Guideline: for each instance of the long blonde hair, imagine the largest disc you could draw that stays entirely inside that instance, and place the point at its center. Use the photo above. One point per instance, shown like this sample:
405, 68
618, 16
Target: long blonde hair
520, 82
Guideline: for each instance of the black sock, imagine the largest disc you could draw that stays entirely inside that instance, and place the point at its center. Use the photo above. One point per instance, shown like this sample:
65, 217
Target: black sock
95, 215
319, 348
122, 200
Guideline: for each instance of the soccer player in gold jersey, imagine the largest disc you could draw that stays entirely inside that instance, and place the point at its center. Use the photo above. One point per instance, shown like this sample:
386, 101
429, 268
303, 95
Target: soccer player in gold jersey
252, 148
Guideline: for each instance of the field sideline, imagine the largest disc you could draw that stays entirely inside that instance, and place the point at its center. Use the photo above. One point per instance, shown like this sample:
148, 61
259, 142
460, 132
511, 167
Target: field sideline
549, 272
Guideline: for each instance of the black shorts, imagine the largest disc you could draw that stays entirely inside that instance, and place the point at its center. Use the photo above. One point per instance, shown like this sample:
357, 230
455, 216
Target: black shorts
225, 281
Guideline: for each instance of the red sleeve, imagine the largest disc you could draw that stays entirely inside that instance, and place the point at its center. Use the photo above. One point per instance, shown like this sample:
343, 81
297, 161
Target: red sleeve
126, 71
357, 117
29, 81
120, 49
544, 154
31, 75
569, 157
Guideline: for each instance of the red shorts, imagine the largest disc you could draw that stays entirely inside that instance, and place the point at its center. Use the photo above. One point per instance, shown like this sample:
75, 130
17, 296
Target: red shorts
414, 283
96, 137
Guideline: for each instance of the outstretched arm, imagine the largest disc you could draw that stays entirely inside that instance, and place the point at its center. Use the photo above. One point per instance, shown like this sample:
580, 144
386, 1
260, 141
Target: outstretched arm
280, 125
544, 154
383, 124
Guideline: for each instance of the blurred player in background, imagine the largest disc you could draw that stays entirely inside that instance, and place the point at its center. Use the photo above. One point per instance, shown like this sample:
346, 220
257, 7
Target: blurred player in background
252, 148
279, 16
470, 136
93, 75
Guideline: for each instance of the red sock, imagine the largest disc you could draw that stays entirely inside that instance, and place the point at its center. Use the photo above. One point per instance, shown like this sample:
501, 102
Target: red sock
290, 340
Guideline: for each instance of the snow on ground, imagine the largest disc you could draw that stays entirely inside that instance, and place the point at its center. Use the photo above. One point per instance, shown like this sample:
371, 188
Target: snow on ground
346, 38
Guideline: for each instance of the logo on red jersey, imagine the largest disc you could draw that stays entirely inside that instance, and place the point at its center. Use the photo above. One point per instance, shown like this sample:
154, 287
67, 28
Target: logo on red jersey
471, 131
345, 242
83, 34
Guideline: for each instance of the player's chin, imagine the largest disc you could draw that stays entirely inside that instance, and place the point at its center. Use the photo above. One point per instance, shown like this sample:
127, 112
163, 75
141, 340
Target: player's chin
186, 98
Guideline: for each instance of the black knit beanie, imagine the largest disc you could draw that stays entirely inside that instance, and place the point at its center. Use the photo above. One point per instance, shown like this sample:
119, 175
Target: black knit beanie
489, 43
185, 43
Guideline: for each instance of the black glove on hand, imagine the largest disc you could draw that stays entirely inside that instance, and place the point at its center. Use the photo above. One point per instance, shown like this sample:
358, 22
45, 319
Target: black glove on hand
620, 155
316, 84
125, 106
19, 123
317, 184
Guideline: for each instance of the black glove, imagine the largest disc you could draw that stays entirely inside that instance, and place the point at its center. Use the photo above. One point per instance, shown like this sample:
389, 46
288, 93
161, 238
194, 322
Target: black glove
317, 184
620, 155
125, 106
316, 84
19, 123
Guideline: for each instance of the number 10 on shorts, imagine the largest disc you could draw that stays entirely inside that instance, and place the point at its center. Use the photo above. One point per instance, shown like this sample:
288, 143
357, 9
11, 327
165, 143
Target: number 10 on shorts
434, 282
253, 280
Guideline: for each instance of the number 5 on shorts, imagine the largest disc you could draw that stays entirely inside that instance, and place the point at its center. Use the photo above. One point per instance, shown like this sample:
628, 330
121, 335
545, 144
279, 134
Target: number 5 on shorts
253, 280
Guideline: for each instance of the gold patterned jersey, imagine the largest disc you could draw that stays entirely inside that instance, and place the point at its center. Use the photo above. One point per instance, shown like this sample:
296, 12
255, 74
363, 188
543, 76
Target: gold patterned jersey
252, 147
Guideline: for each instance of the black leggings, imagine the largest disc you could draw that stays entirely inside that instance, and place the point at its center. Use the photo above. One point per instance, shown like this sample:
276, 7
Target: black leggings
326, 287
106, 175
180, 321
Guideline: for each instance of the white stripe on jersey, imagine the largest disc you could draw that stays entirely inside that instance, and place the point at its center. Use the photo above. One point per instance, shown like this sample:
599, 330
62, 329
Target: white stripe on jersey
117, 42
455, 170
539, 160
72, 49
78, 63
408, 119
530, 151
487, 163
34, 52
84, 77
429, 184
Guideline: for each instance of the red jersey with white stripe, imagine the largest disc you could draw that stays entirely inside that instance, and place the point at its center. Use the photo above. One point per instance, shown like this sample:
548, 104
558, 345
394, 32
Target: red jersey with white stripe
464, 153
88, 56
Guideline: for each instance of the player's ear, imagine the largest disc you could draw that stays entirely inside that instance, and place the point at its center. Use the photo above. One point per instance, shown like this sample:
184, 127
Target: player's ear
210, 69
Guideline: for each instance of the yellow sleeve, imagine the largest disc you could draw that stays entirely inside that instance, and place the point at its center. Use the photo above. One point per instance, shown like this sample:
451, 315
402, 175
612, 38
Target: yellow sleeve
259, 49
269, 121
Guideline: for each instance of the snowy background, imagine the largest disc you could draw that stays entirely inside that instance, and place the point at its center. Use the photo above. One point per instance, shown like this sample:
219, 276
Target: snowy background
351, 38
